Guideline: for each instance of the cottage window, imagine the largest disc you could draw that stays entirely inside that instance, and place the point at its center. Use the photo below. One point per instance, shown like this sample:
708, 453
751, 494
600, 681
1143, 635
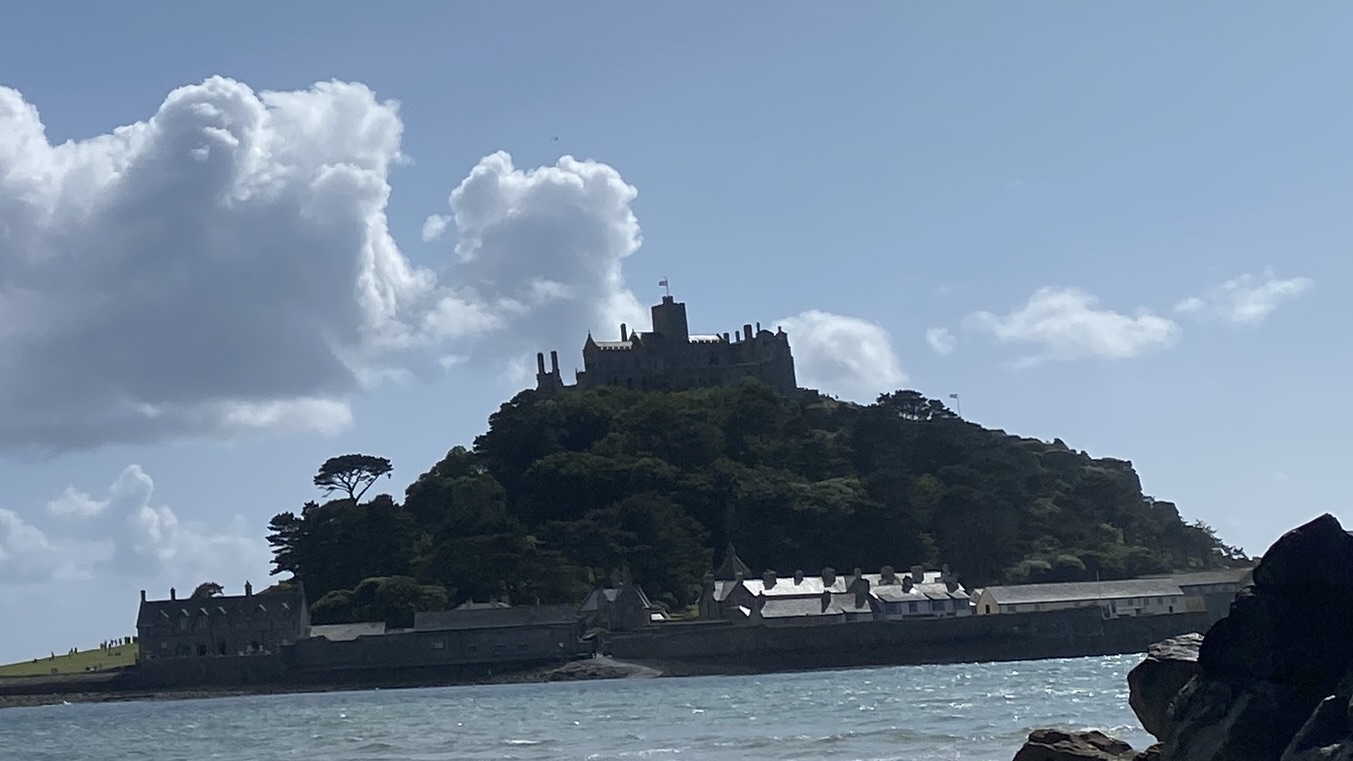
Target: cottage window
913, 607
936, 605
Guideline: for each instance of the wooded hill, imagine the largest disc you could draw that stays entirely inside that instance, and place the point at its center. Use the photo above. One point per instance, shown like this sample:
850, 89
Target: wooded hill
562, 491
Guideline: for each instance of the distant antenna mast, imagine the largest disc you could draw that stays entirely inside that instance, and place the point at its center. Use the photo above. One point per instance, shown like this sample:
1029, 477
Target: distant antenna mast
667, 289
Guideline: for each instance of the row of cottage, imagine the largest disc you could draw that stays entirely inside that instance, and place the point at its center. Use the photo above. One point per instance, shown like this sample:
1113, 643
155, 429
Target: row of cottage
279, 617
733, 592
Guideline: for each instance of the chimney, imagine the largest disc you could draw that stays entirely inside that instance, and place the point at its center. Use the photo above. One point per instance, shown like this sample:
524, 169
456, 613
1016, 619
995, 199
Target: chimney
918, 574
143, 595
828, 577
624, 333
906, 584
248, 589
887, 575
540, 363
725, 337
798, 577
173, 595
758, 327
768, 579
746, 332
554, 362
826, 600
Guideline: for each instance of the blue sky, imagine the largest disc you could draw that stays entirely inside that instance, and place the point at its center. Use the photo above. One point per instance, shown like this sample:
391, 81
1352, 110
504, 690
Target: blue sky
1118, 227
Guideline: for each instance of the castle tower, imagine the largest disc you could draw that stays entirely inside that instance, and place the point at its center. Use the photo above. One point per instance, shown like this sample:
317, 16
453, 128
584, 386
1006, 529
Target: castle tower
669, 320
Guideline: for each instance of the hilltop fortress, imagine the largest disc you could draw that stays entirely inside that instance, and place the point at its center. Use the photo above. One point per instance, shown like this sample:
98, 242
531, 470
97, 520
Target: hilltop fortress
670, 358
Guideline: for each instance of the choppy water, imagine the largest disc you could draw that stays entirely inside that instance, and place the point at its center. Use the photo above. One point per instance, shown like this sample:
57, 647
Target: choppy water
913, 713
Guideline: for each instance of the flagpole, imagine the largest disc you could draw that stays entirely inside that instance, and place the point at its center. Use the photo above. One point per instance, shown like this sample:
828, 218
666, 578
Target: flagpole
958, 404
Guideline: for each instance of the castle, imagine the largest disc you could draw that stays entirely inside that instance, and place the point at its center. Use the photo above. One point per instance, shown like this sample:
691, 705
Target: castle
669, 358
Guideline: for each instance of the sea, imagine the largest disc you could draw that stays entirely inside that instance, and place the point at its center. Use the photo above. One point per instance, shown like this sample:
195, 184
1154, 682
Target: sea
972, 711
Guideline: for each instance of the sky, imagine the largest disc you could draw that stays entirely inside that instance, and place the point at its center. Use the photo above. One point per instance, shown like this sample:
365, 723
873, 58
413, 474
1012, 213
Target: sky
235, 242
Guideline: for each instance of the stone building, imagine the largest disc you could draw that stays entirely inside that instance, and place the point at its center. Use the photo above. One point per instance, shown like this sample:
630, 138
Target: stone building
620, 608
670, 358
224, 625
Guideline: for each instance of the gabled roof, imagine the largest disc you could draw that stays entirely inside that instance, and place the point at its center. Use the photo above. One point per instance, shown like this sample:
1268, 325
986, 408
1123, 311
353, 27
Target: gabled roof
732, 566
1078, 591
288, 601
917, 593
593, 600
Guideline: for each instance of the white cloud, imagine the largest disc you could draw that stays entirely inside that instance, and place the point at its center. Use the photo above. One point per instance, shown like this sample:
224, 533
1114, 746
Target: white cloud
434, 226
942, 340
75, 502
1068, 323
847, 356
1247, 299
25, 552
125, 534
225, 266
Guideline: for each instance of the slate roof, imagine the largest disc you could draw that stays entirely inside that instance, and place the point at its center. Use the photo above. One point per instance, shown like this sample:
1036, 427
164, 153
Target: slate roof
813, 586
593, 599
804, 607
346, 632
1019, 594
1201, 578
919, 592
495, 618
153, 612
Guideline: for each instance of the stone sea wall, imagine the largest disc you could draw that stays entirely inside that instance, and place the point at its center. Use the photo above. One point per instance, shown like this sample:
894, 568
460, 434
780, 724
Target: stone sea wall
1020, 636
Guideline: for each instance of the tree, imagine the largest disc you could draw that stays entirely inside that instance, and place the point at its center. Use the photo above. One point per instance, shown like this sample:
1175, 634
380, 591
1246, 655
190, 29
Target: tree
285, 534
352, 474
207, 589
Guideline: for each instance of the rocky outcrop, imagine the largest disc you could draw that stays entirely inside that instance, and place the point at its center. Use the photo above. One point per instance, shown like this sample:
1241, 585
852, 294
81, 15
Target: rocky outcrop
1154, 682
1272, 673
1056, 745
1273, 681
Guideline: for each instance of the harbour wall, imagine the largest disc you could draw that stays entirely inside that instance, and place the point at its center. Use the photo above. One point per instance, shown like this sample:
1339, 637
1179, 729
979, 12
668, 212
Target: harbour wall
1078, 632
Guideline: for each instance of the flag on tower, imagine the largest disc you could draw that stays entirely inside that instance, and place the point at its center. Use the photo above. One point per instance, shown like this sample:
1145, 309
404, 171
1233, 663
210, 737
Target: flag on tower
953, 396
662, 283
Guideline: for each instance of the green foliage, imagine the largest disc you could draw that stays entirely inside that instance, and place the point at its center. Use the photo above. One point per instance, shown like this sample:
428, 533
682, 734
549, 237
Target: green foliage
562, 492
392, 599
207, 589
351, 474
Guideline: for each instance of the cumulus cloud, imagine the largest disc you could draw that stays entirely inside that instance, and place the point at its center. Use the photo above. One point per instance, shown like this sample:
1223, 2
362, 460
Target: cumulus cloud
434, 227
1247, 299
941, 340
25, 552
1068, 323
225, 266
123, 533
847, 356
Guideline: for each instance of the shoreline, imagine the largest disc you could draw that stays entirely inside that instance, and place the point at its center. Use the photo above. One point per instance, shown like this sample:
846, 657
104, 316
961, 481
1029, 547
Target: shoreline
587, 669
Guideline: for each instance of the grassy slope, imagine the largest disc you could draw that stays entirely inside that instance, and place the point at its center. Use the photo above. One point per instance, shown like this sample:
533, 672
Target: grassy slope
76, 663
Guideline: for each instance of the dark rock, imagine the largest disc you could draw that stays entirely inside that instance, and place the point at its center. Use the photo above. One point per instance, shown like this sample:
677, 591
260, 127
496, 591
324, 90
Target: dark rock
1216, 719
1154, 682
1268, 670
1058, 745
1325, 736
1316, 554
1150, 754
